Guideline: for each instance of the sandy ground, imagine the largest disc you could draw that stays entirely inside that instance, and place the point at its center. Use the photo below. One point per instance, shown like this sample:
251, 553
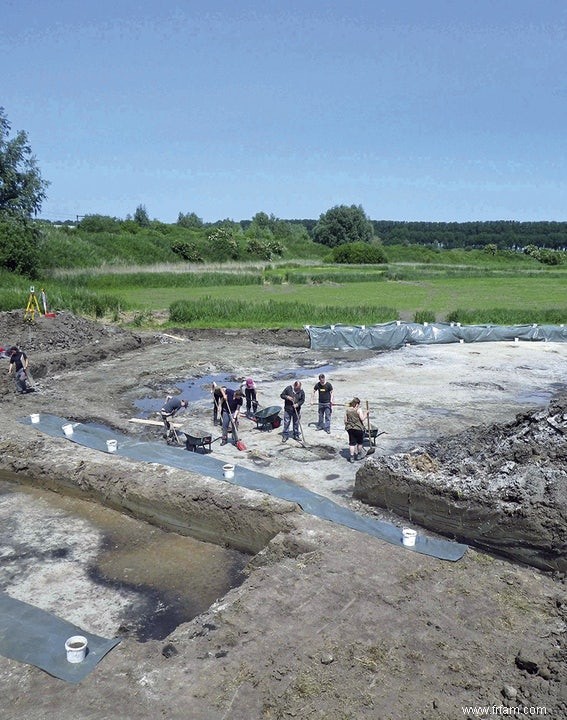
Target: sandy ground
330, 623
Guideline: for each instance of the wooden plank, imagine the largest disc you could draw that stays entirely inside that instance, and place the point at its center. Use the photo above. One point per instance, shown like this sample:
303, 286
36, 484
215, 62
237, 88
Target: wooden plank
143, 421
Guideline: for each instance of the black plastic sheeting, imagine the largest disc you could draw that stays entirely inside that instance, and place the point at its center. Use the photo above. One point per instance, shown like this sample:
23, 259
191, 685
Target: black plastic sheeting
393, 335
36, 637
96, 437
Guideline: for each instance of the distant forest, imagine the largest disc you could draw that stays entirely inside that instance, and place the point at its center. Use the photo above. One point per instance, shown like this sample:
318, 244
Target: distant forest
505, 234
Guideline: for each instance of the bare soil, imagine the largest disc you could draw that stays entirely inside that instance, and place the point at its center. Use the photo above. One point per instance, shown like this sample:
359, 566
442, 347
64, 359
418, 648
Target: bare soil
330, 623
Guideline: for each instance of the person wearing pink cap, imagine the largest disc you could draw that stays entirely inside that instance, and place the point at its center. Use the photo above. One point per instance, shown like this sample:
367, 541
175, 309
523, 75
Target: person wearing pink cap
248, 387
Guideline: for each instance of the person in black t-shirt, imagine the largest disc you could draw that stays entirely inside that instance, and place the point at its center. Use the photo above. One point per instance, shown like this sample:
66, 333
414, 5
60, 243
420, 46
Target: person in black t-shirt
323, 391
19, 366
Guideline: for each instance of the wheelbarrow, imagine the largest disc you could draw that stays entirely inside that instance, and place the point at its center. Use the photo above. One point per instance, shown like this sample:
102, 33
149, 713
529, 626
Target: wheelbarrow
196, 438
268, 418
371, 433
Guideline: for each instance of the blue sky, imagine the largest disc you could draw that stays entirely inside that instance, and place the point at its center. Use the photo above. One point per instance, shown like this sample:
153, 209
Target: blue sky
438, 110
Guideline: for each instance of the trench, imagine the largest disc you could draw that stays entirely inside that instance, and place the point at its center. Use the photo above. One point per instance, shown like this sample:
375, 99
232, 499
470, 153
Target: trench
115, 575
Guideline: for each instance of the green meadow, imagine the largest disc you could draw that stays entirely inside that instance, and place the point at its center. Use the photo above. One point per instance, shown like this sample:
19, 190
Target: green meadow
416, 284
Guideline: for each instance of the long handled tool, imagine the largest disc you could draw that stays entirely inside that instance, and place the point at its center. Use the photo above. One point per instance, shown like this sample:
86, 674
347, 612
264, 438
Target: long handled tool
300, 428
371, 450
239, 444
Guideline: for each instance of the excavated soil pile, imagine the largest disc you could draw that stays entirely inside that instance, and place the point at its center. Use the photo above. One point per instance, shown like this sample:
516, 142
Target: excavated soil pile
500, 487
64, 341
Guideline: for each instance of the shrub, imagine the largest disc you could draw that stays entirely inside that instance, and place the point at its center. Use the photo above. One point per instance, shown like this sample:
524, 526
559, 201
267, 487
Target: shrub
223, 244
187, 250
551, 257
100, 223
19, 246
424, 316
359, 253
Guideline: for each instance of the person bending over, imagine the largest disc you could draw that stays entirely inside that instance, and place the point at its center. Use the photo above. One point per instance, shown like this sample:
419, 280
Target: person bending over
170, 409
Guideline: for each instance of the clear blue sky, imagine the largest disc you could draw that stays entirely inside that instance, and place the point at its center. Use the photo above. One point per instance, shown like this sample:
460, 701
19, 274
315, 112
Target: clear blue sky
441, 110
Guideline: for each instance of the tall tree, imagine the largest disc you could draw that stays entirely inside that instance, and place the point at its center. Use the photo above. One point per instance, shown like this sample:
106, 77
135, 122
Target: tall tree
141, 216
22, 189
343, 224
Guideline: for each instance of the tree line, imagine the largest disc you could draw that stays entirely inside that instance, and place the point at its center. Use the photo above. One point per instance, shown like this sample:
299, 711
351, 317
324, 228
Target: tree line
348, 233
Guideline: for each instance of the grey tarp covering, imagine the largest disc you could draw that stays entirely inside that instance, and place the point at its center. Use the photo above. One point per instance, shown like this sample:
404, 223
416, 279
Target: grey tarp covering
390, 336
36, 637
95, 436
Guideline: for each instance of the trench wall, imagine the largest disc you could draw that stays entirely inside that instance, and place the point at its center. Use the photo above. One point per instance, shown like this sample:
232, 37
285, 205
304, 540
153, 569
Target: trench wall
173, 499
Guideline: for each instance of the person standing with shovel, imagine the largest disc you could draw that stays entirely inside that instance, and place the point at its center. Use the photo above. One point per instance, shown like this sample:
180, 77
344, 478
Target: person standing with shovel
230, 409
355, 417
293, 397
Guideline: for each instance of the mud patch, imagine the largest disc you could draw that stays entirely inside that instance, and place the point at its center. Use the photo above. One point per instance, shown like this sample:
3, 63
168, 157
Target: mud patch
119, 576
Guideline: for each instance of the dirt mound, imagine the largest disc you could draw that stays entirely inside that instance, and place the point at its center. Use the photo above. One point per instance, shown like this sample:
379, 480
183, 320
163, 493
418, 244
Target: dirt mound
66, 340
62, 332
274, 336
500, 487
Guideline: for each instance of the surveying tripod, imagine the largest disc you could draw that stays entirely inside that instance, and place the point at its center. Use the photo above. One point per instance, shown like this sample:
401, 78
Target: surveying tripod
31, 307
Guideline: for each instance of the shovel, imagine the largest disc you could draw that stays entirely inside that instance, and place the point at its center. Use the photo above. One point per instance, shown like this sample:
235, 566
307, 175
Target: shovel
239, 444
299, 423
372, 449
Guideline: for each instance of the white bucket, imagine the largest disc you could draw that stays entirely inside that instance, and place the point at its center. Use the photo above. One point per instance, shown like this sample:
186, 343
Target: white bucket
408, 536
228, 471
34, 417
111, 445
76, 647
67, 429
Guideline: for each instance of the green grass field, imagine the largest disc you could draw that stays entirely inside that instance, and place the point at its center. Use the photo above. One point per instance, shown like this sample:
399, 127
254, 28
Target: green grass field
440, 296
469, 287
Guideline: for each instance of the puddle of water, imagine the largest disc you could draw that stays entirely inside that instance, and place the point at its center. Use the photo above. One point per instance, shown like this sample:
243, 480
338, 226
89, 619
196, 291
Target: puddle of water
103, 570
196, 389
192, 389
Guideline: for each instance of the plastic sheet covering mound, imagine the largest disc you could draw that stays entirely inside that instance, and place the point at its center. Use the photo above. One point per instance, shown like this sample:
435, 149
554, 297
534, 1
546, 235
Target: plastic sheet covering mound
393, 335
95, 437
36, 637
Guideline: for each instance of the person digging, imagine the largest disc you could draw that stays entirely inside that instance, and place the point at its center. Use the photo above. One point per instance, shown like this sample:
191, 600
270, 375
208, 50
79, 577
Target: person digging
230, 410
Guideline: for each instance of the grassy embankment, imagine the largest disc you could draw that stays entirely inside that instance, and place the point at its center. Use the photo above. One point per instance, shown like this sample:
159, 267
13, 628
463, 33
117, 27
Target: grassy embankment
417, 284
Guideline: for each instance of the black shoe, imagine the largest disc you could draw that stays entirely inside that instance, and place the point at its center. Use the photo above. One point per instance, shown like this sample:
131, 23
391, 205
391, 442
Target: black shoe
284, 439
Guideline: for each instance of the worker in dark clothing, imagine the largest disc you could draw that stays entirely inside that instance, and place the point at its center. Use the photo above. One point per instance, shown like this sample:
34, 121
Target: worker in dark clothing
217, 391
293, 397
170, 409
19, 366
249, 389
323, 390
230, 410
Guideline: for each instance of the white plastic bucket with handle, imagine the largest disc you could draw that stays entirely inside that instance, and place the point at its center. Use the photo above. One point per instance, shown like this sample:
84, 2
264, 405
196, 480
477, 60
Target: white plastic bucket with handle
34, 417
76, 648
228, 471
111, 445
408, 537
67, 429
